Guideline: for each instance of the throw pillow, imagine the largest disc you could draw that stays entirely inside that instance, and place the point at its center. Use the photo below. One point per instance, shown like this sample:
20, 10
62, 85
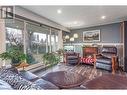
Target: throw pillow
16, 81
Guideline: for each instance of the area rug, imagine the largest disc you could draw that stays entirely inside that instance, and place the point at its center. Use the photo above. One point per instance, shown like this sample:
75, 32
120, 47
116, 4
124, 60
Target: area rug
87, 71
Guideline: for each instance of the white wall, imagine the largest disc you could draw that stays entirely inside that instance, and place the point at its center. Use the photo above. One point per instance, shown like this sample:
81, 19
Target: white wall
60, 40
30, 15
2, 39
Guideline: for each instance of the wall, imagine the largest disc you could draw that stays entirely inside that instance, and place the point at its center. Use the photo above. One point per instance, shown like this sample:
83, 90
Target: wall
2, 40
109, 33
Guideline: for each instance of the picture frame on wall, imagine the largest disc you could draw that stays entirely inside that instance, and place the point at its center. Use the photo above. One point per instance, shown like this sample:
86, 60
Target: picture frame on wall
91, 36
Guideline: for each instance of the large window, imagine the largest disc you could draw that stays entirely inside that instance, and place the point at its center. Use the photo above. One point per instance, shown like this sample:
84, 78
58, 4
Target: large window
14, 35
34, 39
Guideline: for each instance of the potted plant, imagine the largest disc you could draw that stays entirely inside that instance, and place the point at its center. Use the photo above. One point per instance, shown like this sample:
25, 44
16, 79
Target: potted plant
50, 58
61, 54
15, 55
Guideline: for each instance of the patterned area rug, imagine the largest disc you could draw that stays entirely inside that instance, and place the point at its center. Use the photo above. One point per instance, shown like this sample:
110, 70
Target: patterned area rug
87, 71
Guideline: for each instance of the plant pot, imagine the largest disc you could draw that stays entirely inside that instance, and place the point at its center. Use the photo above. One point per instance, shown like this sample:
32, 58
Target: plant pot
15, 62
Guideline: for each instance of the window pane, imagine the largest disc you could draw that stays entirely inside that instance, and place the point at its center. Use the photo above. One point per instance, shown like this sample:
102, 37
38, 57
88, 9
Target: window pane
54, 40
14, 35
37, 42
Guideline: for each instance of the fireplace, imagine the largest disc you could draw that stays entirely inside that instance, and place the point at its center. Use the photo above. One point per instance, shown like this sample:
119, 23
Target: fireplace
88, 54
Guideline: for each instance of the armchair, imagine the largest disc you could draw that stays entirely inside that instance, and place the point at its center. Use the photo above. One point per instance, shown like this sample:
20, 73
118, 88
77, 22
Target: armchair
108, 59
71, 58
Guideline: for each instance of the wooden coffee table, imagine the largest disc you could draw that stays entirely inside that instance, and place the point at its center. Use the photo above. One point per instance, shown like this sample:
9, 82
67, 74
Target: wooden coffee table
65, 80
107, 81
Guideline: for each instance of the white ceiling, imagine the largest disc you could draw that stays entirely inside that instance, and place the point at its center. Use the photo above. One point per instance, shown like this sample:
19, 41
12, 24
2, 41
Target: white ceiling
85, 16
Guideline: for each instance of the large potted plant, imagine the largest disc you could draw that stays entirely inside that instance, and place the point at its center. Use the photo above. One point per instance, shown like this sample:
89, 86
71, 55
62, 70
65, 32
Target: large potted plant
50, 58
15, 55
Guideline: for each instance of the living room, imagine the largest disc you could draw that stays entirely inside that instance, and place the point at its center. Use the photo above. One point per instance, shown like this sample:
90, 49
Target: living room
63, 47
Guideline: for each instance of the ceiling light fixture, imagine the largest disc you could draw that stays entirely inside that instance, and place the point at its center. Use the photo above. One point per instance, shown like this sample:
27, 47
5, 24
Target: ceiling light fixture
59, 11
75, 35
75, 22
103, 17
71, 39
67, 37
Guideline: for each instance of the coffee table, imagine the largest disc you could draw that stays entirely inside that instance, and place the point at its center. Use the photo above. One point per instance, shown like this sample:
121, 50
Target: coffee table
64, 79
107, 81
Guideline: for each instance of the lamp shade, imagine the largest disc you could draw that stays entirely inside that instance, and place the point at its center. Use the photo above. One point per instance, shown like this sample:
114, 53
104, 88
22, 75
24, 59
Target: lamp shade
75, 35
71, 39
67, 37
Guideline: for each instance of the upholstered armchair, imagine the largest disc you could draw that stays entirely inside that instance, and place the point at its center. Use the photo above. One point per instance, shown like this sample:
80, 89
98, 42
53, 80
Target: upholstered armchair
107, 59
71, 58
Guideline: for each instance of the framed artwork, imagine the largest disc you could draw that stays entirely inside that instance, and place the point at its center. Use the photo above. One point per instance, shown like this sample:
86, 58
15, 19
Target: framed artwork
91, 36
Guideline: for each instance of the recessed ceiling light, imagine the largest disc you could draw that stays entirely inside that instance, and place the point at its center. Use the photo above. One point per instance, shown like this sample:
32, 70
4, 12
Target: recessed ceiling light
59, 11
103, 17
75, 22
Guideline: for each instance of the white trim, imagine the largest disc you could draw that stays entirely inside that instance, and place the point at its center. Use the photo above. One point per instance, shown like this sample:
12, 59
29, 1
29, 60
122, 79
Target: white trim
94, 43
24, 37
60, 40
50, 44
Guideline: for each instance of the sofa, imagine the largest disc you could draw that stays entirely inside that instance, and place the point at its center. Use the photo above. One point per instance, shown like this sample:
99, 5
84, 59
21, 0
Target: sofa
11, 78
23, 80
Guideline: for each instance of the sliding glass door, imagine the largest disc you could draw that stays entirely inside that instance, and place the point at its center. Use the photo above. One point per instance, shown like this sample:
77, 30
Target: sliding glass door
33, 39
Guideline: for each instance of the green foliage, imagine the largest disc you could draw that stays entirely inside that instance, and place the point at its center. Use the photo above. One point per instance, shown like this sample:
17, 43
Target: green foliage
60, 51
15, 55
30, 59
5, 56
50, 58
